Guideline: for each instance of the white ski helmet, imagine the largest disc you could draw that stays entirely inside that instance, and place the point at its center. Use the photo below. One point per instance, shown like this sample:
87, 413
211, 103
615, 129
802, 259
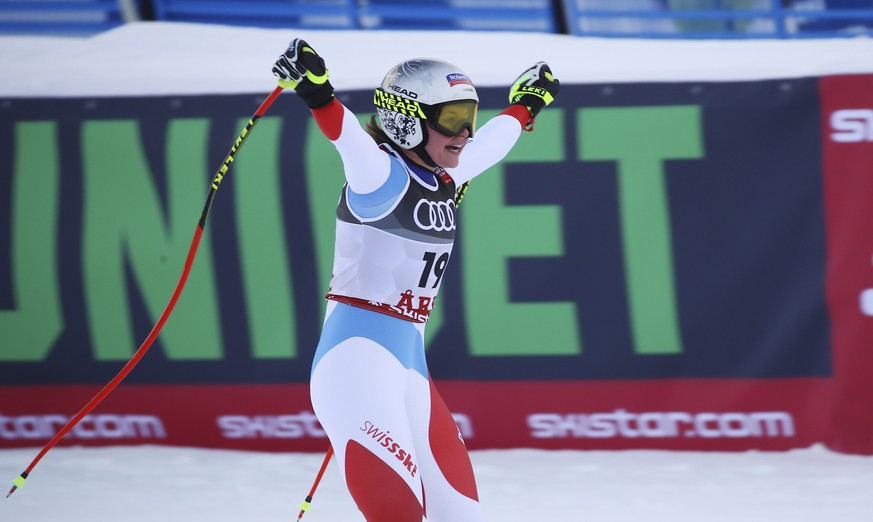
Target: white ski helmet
425, 89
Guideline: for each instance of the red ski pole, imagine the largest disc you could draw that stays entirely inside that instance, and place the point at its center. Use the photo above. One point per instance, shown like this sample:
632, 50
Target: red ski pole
192, 251
305, 505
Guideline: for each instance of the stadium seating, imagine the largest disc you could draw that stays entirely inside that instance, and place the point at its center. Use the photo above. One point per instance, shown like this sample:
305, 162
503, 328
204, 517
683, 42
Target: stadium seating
723, 19
517, 15
601, 18
62, 17
470, 15
312, 14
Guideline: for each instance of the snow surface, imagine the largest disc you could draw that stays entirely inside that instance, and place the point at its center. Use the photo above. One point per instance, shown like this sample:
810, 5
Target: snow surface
153, 483
150, 483
148, 58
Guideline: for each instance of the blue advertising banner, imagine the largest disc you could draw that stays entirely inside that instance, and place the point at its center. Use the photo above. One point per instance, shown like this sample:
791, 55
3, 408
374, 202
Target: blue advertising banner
651, 227
663, 233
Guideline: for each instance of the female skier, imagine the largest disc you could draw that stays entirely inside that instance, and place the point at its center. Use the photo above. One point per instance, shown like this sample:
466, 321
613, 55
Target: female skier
399, 450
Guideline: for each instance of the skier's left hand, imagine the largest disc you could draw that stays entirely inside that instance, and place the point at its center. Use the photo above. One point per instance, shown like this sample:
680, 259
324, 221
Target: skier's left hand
535, 88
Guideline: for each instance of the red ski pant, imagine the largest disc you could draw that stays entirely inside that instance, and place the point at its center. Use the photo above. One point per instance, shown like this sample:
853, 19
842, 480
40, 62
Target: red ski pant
399, 449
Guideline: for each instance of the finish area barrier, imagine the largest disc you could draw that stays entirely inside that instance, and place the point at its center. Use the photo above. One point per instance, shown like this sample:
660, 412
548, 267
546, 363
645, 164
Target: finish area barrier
658, 265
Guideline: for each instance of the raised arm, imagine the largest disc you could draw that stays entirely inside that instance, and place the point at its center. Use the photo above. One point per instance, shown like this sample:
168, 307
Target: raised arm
300, 68
534, 89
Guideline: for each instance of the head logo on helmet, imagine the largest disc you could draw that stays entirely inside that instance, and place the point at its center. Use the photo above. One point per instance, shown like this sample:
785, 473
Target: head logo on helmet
401, 90
413, 92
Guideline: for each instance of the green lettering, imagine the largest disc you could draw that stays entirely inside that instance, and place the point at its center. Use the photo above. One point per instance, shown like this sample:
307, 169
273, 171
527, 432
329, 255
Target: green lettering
492, 233
126, 229
262, 244
324, 177
30, 330
640, 139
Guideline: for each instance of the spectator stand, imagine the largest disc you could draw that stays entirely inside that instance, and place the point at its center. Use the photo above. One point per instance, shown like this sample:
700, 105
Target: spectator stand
722, 19
65, 17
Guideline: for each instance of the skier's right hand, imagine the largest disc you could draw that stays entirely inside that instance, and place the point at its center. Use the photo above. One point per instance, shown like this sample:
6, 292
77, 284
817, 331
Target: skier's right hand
302, 69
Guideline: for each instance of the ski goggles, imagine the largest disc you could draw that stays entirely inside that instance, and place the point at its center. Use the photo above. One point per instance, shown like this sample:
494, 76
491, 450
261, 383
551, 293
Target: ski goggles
451, 118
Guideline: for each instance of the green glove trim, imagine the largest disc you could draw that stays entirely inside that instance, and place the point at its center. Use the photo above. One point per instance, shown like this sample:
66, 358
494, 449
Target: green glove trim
288, 84
317, 80
314, 78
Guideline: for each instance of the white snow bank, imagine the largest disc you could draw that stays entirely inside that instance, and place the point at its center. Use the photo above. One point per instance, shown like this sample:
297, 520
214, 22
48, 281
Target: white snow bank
150, 483
155, 58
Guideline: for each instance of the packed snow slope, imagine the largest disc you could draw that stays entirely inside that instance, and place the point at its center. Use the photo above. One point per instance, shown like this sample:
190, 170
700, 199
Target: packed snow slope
157, 58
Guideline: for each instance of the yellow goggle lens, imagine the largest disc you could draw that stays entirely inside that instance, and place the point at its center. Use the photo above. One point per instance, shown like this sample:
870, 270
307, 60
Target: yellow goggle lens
453, 118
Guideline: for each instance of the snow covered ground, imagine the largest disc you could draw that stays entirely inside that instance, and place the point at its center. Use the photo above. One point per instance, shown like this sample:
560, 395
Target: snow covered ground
152, 483
156, 58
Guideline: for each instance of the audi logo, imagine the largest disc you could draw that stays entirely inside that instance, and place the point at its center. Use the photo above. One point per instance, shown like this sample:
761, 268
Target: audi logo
438, 216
